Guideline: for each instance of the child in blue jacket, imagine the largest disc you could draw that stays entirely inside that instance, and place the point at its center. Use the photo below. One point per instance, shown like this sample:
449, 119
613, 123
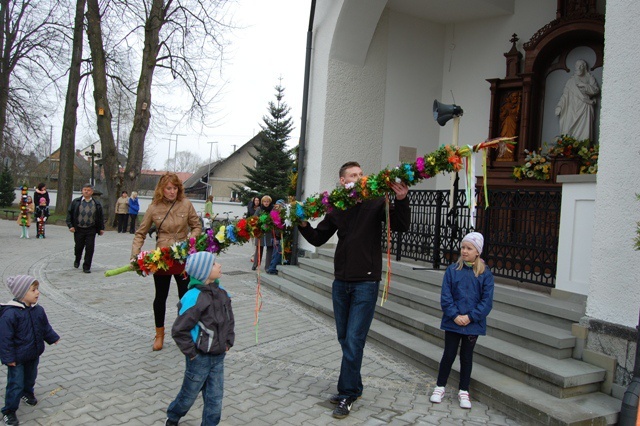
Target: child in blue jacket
204, 332
466, 300
24, 328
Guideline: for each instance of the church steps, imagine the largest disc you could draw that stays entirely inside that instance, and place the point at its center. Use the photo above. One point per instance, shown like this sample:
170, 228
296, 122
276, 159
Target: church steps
546, 339
518, 396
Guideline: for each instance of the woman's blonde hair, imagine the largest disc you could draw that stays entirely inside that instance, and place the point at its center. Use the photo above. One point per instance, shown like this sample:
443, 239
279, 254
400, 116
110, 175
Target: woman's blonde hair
266, 197
134, 193
478, 265
166, 179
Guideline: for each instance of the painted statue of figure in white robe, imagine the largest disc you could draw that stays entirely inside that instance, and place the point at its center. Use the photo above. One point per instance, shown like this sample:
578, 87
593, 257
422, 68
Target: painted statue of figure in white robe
576, 106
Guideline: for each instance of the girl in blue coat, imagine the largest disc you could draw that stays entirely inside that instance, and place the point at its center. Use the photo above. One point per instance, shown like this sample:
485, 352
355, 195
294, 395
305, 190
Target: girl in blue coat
466, 300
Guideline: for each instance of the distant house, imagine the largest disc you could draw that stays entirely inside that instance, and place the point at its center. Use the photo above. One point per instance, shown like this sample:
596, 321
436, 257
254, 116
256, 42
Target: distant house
48, 171
223, 175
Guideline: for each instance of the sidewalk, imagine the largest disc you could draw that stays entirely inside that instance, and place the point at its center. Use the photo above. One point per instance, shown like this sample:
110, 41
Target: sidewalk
104, 372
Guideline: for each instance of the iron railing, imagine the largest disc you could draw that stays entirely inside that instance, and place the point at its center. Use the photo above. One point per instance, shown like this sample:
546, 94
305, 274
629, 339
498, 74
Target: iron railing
520, 228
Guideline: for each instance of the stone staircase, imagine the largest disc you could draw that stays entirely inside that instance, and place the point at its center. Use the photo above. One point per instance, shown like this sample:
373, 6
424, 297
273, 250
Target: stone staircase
523, 366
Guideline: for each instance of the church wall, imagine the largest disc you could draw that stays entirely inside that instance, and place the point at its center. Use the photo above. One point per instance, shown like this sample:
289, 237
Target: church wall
614, 296
414, 79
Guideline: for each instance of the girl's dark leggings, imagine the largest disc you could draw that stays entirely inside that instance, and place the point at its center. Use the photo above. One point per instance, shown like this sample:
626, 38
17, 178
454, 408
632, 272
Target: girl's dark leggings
451, 342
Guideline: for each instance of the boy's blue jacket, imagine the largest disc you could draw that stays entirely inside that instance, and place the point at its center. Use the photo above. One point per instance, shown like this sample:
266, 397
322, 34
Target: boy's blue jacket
23, 331
205, 322
465, 294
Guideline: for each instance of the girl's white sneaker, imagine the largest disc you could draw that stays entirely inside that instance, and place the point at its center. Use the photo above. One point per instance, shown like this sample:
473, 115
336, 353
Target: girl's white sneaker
463, 397
437, 394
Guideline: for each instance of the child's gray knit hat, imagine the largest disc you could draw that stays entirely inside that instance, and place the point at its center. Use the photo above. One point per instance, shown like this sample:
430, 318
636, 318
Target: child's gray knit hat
19, 285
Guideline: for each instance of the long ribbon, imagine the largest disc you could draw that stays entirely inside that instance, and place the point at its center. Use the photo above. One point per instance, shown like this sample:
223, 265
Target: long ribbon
387, 278
258, 306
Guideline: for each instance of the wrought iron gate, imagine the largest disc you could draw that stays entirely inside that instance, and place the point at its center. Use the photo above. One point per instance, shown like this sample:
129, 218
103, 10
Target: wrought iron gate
520, 228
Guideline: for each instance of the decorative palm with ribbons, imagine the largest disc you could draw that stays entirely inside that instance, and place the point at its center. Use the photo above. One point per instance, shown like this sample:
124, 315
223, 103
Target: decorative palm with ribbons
446, 159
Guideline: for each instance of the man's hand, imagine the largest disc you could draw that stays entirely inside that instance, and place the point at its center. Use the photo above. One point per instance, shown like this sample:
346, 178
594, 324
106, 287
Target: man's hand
303, 224
101, 233
401, 189
72, 229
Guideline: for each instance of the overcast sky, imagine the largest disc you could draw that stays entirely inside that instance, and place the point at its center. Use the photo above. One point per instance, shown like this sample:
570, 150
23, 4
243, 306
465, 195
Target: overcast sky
269, 44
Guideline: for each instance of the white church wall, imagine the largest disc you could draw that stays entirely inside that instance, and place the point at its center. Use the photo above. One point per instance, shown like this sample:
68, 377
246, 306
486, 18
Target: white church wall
615, 267
414, 56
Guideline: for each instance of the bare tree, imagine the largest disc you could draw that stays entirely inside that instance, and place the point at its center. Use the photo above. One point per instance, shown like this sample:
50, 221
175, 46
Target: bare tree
102, 109
31, 42
179, 36
70, 119
184, 161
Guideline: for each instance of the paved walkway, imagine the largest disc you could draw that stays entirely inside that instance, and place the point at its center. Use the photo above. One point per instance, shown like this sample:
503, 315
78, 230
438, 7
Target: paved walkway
104, 372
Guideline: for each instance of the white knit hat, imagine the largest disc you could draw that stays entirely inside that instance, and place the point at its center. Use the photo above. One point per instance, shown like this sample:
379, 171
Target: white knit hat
476, 239
199, 265
19, 285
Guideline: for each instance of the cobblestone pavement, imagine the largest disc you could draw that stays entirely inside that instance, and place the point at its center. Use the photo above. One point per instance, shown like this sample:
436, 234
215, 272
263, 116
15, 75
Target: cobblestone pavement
104, 372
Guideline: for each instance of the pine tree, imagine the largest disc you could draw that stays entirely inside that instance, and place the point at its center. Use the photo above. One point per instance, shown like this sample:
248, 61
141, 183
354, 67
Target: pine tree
273, 160
7, 194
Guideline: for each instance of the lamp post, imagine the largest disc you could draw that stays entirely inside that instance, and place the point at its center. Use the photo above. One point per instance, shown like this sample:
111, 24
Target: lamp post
175, 152
93, 154
50, 151
209, 187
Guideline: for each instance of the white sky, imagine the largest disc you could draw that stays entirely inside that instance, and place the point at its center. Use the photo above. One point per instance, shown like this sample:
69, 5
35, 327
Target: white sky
270, 43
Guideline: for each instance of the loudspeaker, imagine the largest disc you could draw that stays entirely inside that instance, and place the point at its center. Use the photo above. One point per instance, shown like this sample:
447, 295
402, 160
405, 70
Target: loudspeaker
443, 112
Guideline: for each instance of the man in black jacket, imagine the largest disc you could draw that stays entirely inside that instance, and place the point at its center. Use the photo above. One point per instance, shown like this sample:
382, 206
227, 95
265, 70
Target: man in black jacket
357, 274
85, 219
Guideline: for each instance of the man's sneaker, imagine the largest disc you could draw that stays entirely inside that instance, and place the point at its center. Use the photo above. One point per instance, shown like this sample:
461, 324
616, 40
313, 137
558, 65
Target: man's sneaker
437, 394
10, 419
169, 422
463, 397
344, 408
30, 400
336, 398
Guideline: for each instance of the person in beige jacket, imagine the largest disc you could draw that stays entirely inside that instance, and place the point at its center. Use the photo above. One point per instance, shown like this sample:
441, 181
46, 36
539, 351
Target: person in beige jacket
175, 220
122, 211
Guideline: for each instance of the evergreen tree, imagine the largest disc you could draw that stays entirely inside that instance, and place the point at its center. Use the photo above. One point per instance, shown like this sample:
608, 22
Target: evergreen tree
273, 160
7, 194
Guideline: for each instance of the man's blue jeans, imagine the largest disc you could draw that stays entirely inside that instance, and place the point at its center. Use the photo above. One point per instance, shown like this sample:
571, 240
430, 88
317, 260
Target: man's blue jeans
20, 381
205, 372
354, 304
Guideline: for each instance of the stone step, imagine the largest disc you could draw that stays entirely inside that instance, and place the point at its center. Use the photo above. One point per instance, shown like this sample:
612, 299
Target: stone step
545, 339
519, 399
561, 378
537, 307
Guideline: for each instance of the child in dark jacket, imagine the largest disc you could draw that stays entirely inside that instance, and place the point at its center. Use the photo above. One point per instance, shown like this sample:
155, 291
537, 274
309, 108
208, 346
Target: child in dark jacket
204, 332
466, 300
24, 328
40, 215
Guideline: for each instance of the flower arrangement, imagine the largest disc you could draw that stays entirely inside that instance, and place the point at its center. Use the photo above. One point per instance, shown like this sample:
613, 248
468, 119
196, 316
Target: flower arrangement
537, 163
566, 146
589, 159
536, 166
447, 158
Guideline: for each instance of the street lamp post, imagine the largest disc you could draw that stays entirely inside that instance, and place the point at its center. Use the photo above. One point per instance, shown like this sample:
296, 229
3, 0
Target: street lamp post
93, 154
209, 186
50, 151
175, 153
